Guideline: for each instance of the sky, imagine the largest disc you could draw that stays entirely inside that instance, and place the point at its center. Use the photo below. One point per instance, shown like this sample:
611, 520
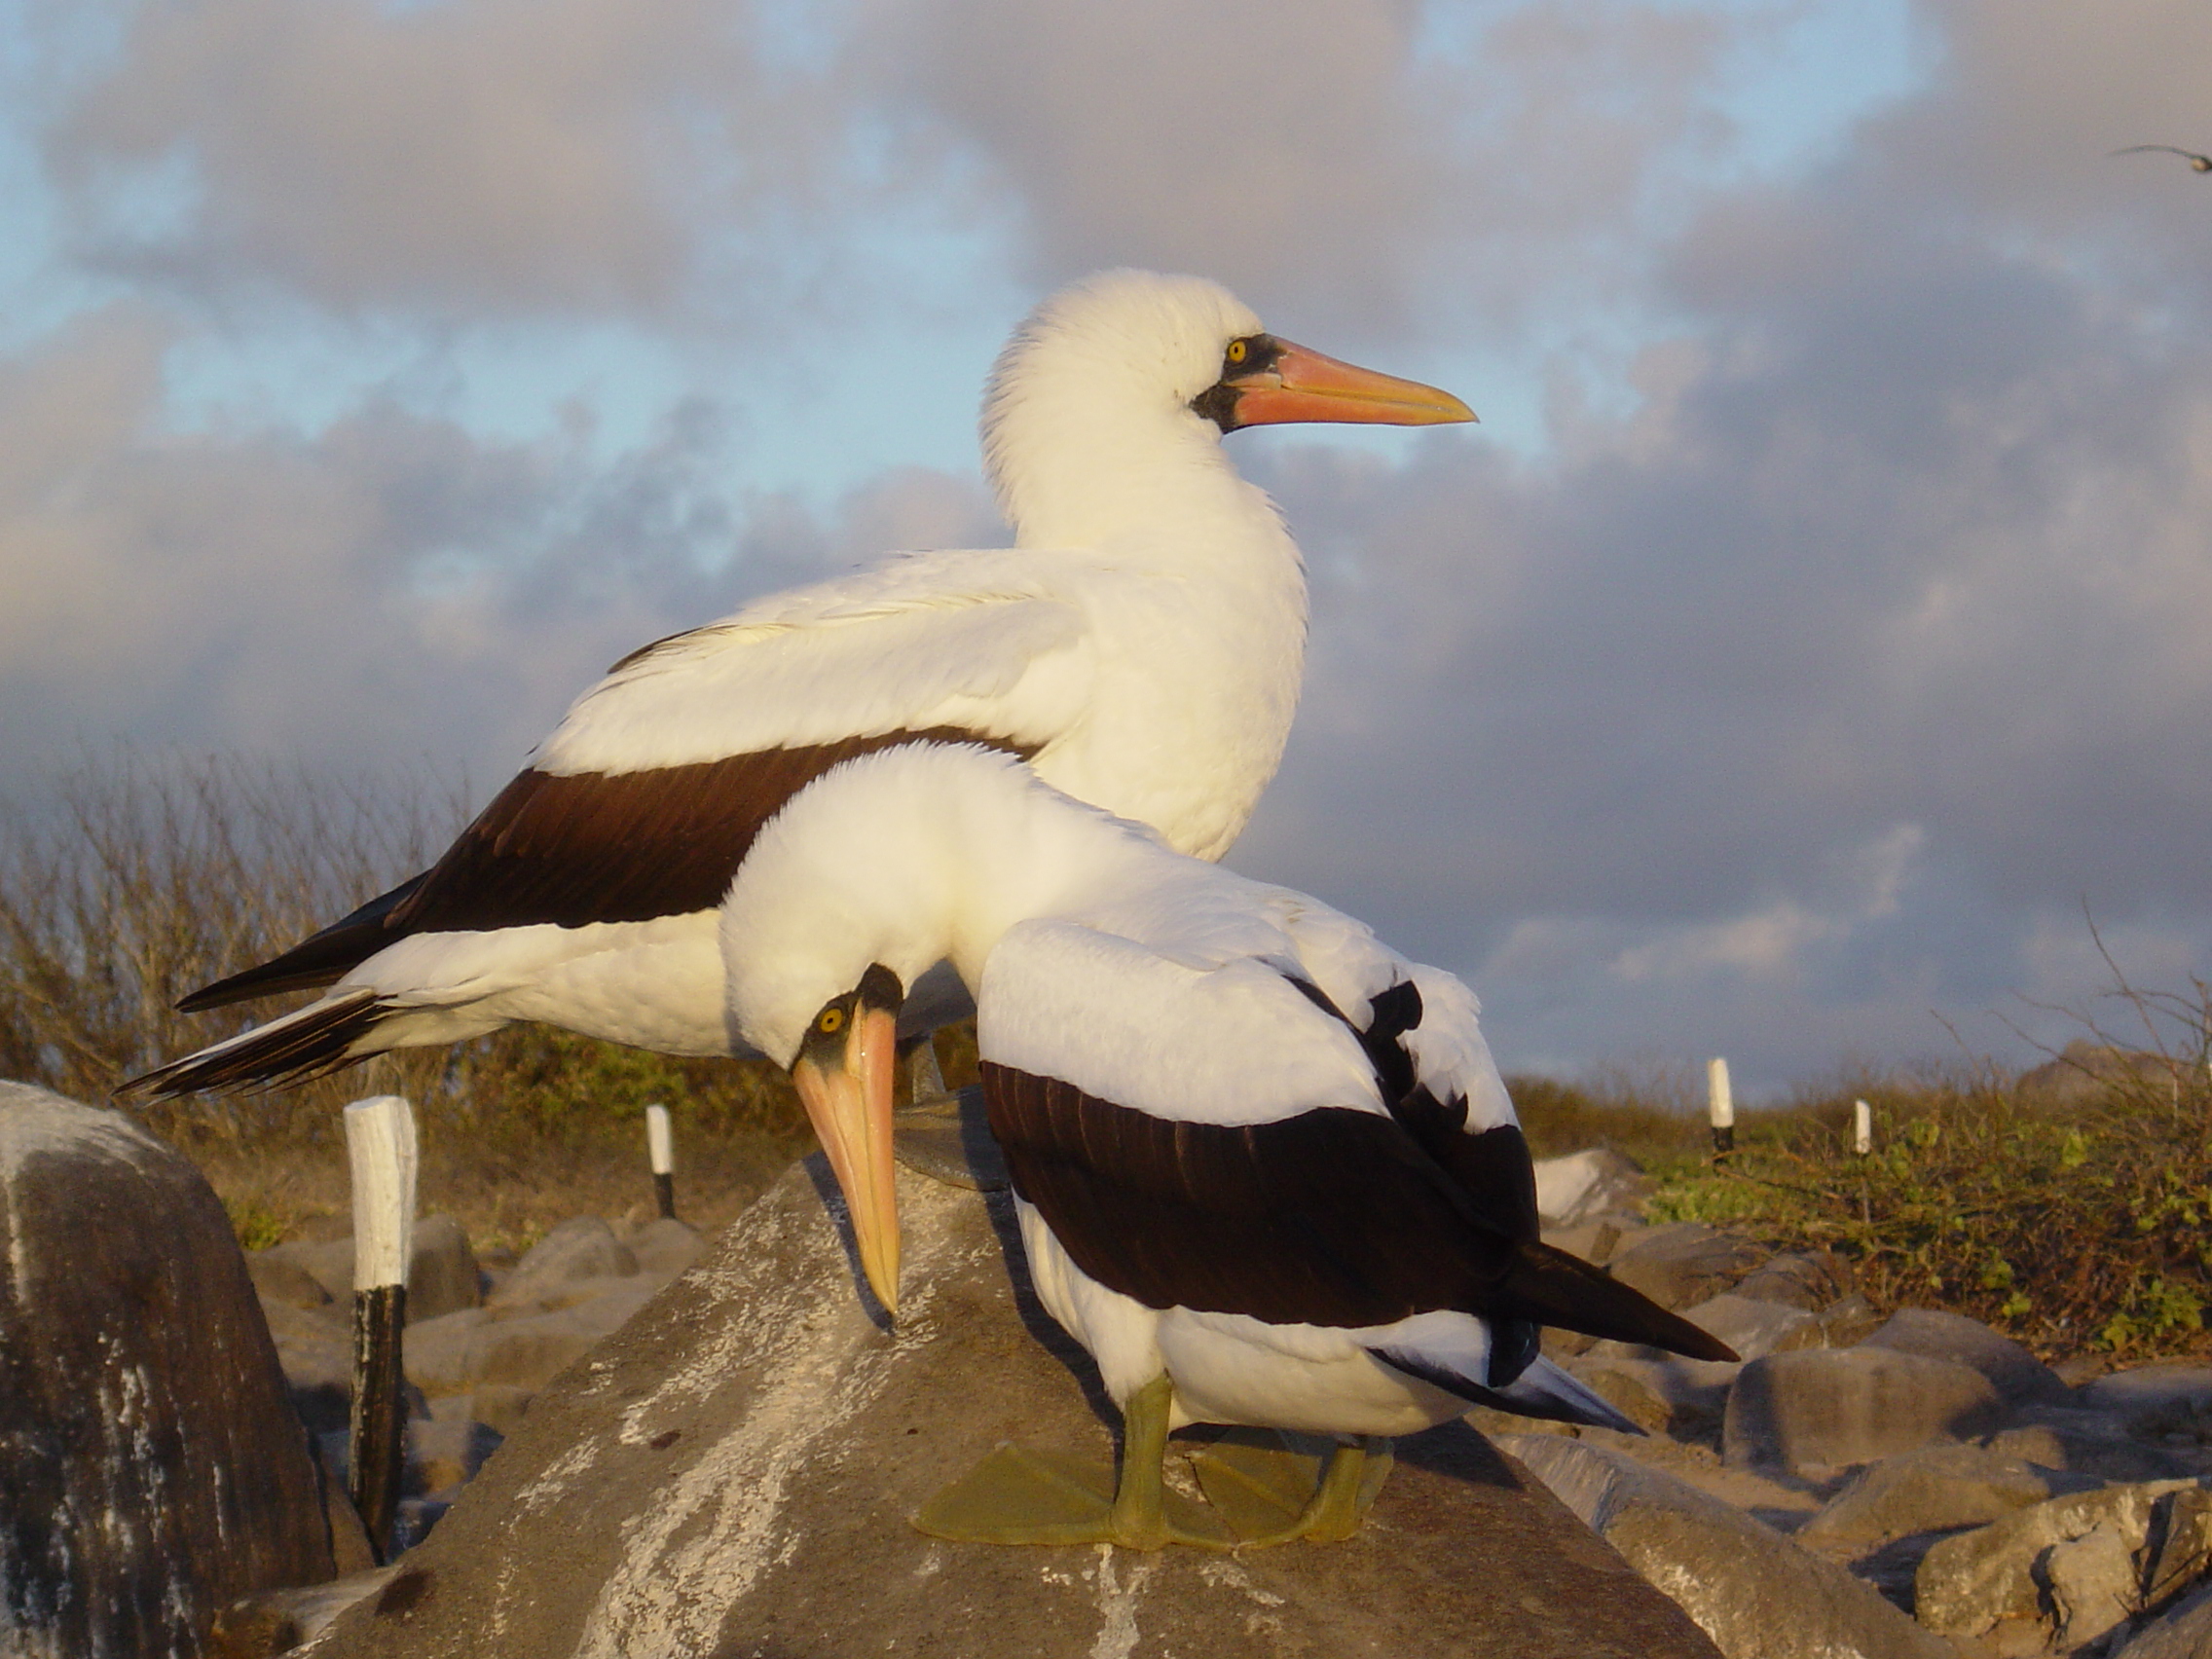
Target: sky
1807, 648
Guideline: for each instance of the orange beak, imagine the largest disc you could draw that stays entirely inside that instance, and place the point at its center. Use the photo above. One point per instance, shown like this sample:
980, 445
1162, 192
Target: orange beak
849, 1109
1301, 384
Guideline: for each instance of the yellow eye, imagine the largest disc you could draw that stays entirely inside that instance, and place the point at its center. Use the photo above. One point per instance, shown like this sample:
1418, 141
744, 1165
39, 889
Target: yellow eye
832, 1020
1238, 351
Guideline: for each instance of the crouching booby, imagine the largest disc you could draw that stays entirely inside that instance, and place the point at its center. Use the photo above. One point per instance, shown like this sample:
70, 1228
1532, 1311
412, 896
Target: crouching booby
1141, 644
1266, 1170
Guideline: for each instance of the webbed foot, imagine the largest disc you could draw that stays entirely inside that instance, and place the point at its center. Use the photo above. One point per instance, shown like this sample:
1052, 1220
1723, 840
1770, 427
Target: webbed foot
1024, 1495
1304, 1488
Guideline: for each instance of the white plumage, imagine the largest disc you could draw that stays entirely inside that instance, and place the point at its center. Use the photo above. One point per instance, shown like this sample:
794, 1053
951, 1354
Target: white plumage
1141, 643
1153, 1002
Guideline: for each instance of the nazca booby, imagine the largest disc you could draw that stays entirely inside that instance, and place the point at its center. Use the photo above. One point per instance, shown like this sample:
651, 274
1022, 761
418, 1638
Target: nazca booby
1141, 643
1266, 1170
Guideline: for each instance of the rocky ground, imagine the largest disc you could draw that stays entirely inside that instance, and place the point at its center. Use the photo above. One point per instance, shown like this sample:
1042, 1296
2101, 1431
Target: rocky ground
636, 1439
1918, 1485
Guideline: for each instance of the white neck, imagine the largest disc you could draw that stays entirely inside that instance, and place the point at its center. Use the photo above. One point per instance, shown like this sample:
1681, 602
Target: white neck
906, 857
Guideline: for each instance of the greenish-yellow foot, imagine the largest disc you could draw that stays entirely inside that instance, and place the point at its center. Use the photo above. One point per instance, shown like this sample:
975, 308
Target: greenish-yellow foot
1024, 1495
1300, 1486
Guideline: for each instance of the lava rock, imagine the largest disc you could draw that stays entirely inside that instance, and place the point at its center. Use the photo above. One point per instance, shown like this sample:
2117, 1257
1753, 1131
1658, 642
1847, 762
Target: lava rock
1585, 1184
1683, 1263
1969, 1583
151, 1469
1755, 1593
442, 1274
1822, 1409
2016, 1374
1936, 1489
583, 1248
732, 1473
666, 1246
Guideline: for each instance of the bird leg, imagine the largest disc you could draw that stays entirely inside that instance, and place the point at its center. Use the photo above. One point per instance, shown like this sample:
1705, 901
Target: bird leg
1273, 1494
1021, 1495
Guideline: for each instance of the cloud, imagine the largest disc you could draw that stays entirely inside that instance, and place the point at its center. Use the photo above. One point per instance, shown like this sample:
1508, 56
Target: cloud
1335, 157
1824, 688
388, 588
496, 156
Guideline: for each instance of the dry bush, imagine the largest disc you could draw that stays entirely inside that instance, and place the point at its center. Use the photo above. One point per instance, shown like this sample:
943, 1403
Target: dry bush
137, 879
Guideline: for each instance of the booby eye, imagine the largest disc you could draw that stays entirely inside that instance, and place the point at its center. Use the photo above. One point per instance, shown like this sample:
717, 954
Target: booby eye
830, 1022
1238, 351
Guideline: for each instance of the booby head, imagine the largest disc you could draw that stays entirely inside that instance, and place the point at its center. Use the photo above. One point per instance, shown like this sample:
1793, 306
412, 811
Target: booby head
1108, 378
844, 1070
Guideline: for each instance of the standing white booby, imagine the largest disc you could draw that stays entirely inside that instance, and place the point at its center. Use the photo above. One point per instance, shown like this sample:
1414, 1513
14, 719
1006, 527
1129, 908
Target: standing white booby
1141, 644
1267, 1172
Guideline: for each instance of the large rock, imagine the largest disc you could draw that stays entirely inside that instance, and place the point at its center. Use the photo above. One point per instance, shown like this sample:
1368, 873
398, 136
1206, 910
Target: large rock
151, 1469
1585, 1184
1821, 1408
1936, 1489
2184, 1633
442, 1274
2013, 1370
583, 1248
733, 1474
1756, 1594
1684, 1261
2097, 1556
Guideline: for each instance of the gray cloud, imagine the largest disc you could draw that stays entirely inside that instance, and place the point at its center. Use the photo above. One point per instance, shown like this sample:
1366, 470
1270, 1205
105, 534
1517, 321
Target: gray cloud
1826, 689
1340, 157
488, 157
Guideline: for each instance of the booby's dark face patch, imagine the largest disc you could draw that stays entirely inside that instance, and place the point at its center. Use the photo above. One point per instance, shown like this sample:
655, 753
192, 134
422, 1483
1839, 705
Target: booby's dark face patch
1246, 357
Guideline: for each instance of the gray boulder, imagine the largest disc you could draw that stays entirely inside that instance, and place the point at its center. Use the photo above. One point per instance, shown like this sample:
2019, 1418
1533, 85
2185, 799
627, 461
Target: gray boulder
665, 1246
732, 1473
1823, 1409
1936, 1488
2184, 1633
1683, 1263
151, 1469
2089, 1555
2093, 1442
1585, 1184
1683, 1399
2016, 1374
583, 1248
1755, 1593
442, 1273
1798, 1281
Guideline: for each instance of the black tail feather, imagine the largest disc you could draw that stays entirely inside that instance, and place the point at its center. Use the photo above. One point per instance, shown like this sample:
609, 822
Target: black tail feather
298, 1047
321, 959
1548, 1286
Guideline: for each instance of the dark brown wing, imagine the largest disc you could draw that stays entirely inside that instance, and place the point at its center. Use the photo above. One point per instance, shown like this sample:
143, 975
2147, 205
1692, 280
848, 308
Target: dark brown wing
1329, 1216
578, 849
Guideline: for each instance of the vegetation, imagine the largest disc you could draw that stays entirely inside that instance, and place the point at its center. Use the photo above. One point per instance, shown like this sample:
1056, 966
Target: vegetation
139, 879
2073, 1208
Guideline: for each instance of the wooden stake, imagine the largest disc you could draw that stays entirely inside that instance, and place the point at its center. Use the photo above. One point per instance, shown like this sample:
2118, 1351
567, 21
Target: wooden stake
660, 1152
380, 1146
1862, 1127
1720, 1108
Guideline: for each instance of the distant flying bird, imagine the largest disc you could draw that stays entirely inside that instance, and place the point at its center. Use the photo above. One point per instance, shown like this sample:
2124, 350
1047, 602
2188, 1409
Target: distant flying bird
2203, 163
1141, 645
1266, 1170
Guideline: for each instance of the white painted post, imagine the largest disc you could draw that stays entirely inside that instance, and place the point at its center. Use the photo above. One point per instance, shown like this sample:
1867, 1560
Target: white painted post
380, 1146
1862, 1127
1720, 1108
660, 1152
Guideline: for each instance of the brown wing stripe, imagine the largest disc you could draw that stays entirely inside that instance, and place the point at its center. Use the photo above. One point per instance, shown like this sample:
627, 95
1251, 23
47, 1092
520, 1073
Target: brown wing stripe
626, 846
1327, 1217
591, 847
